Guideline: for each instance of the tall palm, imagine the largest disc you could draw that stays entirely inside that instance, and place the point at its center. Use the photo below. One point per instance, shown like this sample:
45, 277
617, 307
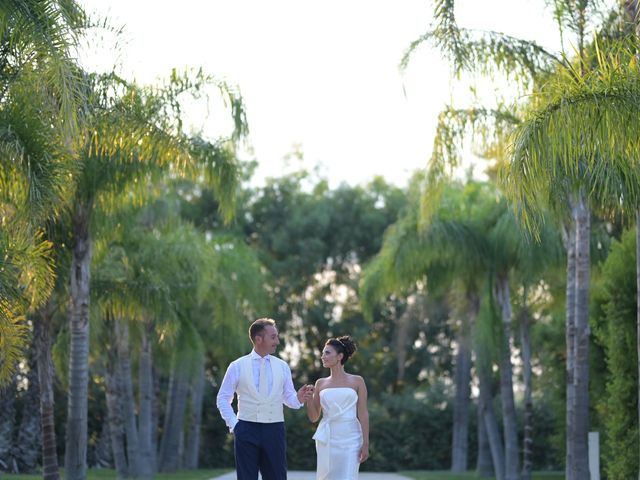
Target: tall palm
446, 252
230, 304
164, 276
133, 135
39, 90
34, 165
492, 241
491, 54
597, 160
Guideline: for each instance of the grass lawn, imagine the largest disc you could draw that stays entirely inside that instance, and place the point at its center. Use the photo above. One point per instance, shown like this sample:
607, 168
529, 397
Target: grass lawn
444, 475
104, 474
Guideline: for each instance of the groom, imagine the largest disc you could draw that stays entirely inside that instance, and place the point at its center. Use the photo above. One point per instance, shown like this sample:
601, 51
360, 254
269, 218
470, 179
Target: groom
263, 383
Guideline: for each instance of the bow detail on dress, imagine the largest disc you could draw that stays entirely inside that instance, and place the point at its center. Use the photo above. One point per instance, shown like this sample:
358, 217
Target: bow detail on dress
323, 432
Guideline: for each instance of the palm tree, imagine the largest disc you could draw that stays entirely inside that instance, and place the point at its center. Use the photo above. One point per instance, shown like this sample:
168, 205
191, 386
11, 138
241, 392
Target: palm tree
596, 160
448, 251
153, 266
39, 89
230, 304
490, 53
472, 243
133, 135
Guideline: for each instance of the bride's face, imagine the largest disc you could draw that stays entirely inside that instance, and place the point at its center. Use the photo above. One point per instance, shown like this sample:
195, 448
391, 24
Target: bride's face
330, 357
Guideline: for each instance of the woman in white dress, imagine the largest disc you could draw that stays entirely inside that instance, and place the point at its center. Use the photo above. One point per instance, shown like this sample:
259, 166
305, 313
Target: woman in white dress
342, 437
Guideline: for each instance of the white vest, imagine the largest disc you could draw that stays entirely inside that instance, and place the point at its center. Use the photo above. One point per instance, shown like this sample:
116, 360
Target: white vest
253, 407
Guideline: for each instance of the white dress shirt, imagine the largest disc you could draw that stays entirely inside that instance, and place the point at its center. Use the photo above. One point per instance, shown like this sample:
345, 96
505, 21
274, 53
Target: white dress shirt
232, 377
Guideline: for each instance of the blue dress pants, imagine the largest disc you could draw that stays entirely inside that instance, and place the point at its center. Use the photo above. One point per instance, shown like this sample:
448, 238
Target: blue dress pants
260, 447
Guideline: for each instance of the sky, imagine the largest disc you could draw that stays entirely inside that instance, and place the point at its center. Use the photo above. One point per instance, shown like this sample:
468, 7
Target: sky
320, 77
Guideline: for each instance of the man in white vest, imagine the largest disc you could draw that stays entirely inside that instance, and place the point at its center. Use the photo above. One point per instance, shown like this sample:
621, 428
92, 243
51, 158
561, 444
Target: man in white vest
263, 384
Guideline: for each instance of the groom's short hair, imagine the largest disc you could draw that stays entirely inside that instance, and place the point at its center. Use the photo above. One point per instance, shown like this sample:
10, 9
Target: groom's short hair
258, 327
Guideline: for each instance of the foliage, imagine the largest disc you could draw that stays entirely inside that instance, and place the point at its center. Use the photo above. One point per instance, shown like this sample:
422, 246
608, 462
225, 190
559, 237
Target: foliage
410, 250
579, 130
483, 52
615, 319
26, 281
39, 99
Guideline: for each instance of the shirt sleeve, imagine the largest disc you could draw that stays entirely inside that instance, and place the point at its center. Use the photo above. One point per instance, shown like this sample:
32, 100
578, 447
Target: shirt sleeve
225, 396
289, 395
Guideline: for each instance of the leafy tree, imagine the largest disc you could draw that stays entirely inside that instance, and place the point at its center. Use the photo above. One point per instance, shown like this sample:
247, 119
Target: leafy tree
614, 309
40, 97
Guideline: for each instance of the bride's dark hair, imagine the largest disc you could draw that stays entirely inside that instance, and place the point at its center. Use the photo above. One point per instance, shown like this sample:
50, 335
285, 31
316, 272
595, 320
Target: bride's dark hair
344, 345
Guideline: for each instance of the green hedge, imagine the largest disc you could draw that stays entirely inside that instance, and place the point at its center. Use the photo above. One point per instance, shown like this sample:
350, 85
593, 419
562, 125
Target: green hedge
410, 431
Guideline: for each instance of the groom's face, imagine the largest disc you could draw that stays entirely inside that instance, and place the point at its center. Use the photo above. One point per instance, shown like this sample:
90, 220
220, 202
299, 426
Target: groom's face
269, 340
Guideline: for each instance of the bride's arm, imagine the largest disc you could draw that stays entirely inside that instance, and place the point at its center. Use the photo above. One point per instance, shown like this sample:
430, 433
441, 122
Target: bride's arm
363, 417
313, 405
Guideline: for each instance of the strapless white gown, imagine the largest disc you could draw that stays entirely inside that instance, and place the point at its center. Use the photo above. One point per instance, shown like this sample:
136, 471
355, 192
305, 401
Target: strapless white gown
339, 435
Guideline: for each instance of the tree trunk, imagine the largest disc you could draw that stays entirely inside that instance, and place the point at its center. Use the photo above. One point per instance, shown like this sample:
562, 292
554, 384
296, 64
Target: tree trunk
8, 394
581, 340
402, 328
128, 400
525, 339
26, 451
489, 418
114, 409
502, 295
570, 245
104, 459
155, 419
173, 421
147, 430
76, 441
462, 375
43, 325
195, 420
484, 464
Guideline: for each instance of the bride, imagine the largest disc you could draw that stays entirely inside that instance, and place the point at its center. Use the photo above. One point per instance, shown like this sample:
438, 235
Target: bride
342, 437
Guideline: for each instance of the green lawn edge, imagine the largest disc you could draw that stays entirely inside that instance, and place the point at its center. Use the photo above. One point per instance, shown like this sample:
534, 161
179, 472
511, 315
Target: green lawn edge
107, 474
445, 475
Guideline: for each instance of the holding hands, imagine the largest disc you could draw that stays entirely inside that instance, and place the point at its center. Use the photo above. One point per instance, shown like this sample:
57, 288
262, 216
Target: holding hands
305, 393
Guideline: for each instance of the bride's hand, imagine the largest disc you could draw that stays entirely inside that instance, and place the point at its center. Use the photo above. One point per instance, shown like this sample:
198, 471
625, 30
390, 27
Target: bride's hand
305, 393
364, 453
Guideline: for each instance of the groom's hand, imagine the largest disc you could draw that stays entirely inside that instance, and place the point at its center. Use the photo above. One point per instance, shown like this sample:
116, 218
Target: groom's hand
305, 393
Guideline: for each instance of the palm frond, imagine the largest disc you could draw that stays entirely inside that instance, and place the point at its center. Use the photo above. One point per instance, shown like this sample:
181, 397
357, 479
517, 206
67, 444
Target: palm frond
43, 33
450, 243
581, 132
136, 137
34, 161
482, 52
486, 127
26, 281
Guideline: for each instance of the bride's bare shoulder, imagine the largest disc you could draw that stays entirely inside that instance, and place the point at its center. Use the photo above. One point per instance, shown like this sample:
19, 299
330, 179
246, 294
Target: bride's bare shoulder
355, 379
321, 382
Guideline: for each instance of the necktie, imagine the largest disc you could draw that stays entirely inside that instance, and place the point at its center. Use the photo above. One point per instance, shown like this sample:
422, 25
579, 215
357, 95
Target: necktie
262, 385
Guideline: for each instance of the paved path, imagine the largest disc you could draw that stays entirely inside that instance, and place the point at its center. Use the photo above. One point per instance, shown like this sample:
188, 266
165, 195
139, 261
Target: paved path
312, 476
